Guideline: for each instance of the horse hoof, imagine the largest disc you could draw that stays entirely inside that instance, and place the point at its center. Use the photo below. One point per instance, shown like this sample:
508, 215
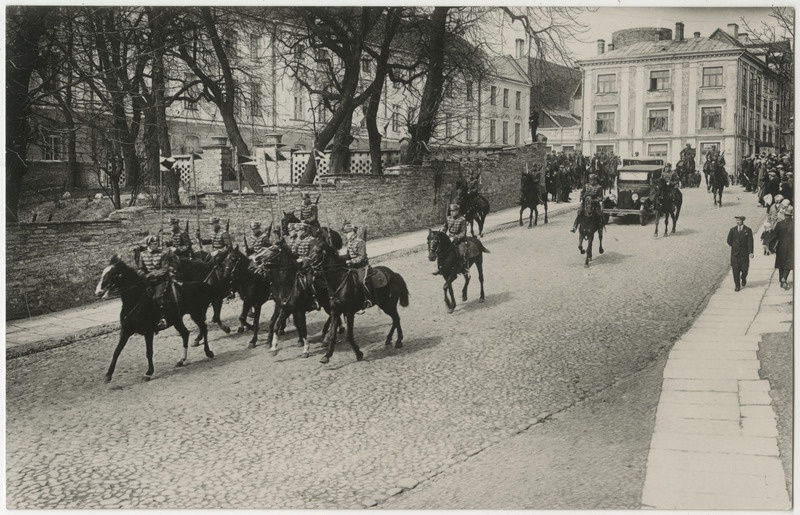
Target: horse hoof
324, 360
179, 364
481, 300
398, 345
281, 332
388, 342
586, 265
464, 298
225, 329
601, 250
521, 224
210, 355
359, 356
582, 251
147, 378
240, 330
251, 345
253, 342
306, 355
450, 310
195, 344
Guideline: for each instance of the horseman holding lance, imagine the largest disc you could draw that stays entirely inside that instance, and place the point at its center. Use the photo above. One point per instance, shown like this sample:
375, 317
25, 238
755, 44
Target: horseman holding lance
260, 238
687, 156
220, 241
308, 212
152, 265
301, 249
357, 259
180, 243
456, 229
593, 191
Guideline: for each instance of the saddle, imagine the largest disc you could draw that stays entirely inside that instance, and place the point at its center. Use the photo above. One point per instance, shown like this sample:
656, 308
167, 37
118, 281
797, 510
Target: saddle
377, 278
471, 248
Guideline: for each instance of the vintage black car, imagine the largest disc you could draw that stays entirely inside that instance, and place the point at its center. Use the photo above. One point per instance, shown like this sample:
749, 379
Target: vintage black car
632, 191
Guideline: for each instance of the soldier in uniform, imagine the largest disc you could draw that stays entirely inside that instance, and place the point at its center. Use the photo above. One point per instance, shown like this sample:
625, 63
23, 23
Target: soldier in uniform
301, 248
687, 156
220, 241
456, 229
671, 176
180, 241
473, 185
357, 259
153, 266
260, 238
592, 190
308, 211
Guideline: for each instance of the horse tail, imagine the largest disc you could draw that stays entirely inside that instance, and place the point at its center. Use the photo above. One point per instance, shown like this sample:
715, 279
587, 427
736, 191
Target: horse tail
480, 246
401, 283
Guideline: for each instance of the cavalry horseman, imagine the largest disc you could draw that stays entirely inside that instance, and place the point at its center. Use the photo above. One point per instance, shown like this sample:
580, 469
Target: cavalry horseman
456, 229
687, 156
221, 241
152, 265
357, 259
670, 176
301, 248
593, 191
180, 243
260, 238
309, 214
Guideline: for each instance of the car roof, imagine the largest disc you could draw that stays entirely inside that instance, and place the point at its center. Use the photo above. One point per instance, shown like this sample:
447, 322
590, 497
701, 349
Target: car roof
640, 168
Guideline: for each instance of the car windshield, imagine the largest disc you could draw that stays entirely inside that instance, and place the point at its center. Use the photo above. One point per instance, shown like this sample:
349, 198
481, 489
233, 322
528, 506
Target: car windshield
633, 176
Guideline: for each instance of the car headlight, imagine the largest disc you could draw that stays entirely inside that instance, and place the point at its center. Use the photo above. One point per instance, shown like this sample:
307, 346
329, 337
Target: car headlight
635, 197
613, 198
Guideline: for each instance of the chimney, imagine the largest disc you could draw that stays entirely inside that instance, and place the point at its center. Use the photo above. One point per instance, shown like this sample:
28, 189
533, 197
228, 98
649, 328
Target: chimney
601, 46
744, 38
696, 35
610, 47
679, 31
733, 30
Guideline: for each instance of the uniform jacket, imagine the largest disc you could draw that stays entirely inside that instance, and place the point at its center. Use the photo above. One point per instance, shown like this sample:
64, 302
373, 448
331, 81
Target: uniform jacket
455, 226
150, 261
357, 251
181, 243
741, 243
302, 246
262, 242
308, 213
594, 191
220, 240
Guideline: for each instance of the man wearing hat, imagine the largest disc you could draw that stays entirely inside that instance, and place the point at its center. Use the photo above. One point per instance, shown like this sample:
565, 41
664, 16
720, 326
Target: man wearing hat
687, 156
301, 248
783, 244
455, 226
671, 176
740, 240
220, 241
260, 238
357, 259
151, 258
772, 187
180, 241
594, 191
308, 211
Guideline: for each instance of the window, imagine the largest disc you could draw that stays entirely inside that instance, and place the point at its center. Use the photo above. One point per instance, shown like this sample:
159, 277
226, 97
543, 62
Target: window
469, 128
711, 118
492, 131
604, 149
607, 83
520, 46
365, 65
605, 123
255, 99
659, 80
516, 134
448, 129
658, 120
568, 149
323, 114
298, 52
505, 133
519, 100
505, 97
255, 47
705, 148
493, 96
743, 121
469, 90
189, 105
657, 150
231, 44
396, 117
712, 77
299, 112
771, 111
54, 148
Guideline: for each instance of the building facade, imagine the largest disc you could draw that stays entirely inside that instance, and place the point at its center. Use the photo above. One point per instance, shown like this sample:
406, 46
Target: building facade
653, 93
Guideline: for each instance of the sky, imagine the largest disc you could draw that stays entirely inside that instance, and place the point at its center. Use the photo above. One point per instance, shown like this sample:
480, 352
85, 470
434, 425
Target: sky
601, 22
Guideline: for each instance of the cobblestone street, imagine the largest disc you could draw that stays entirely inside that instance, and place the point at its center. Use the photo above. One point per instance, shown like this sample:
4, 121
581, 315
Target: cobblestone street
252, 430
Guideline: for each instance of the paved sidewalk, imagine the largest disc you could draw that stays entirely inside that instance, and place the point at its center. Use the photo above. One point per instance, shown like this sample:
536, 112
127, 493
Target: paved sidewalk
714, 445
61, 328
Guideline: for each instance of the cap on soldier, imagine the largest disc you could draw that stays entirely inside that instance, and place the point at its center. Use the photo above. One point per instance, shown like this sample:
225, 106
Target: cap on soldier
213, 220
174, 221
306, 195
592, 176
348, 227
255, 225
150, 239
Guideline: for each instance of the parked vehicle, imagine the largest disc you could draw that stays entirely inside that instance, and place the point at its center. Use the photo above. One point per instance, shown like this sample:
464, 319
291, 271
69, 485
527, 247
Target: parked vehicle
632, 191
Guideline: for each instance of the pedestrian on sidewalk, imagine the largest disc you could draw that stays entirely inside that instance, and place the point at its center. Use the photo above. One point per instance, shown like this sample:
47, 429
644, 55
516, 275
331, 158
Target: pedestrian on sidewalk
740, 240
783, 235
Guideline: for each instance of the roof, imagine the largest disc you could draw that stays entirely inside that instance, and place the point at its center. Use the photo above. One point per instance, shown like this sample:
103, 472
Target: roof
505, 67
554, 83
665, 48
559, 119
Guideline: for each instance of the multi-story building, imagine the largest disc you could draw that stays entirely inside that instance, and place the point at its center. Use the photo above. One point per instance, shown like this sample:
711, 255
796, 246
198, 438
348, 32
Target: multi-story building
653, 93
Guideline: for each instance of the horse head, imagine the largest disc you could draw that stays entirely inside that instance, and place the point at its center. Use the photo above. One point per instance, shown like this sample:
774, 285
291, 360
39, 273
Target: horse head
437, 242
234, 264
109, 278
288, 218
589, 205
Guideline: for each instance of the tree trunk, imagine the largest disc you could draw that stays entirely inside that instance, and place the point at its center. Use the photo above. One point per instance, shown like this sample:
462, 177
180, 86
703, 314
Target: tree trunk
26, 26
340, 155
422, 131
375, 136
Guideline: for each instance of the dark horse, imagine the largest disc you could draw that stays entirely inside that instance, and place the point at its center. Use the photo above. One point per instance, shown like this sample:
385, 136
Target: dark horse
141, 313
473, 205
719, 179
253, 289
686, 172
449, 263
290, 297
347, 295
530, 196
328, 234
667, 201
591, 223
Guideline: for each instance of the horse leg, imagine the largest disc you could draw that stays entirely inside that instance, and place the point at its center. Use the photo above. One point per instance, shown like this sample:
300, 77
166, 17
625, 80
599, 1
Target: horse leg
445, 287
256, 321
243, 317
199, 319
217, 305
521, 210
124, 335
350, 320
589, 250
335, 321
600, 240
479, 264
272, 337
304, 334
148, 346
181, 328
481, 221
466, 285
580, 240
666, 223
545, 210
534, 212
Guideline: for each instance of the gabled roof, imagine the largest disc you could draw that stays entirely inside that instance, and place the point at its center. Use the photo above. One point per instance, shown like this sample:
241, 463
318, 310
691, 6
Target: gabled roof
554, 83
558, 119
505, 67
721, 35
666, 48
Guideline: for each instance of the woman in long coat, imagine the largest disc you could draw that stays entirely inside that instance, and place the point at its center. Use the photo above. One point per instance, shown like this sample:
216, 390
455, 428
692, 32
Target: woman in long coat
784, 251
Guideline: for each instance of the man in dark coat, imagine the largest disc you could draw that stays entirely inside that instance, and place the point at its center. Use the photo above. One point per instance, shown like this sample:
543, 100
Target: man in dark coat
740, 240
783, 234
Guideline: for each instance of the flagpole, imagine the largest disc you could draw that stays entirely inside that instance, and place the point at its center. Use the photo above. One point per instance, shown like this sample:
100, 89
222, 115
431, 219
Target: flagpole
319, 182
196, 193
266, 167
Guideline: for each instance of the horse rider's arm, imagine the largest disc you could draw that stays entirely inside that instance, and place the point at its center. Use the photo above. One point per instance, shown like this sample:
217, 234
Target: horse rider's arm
361, 254
227, 241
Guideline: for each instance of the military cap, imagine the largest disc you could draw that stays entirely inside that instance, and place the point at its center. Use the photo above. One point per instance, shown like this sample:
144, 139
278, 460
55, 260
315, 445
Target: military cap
348, 227
213, 220
255, 225
592, 176
150, 239
454, 206
174, 221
